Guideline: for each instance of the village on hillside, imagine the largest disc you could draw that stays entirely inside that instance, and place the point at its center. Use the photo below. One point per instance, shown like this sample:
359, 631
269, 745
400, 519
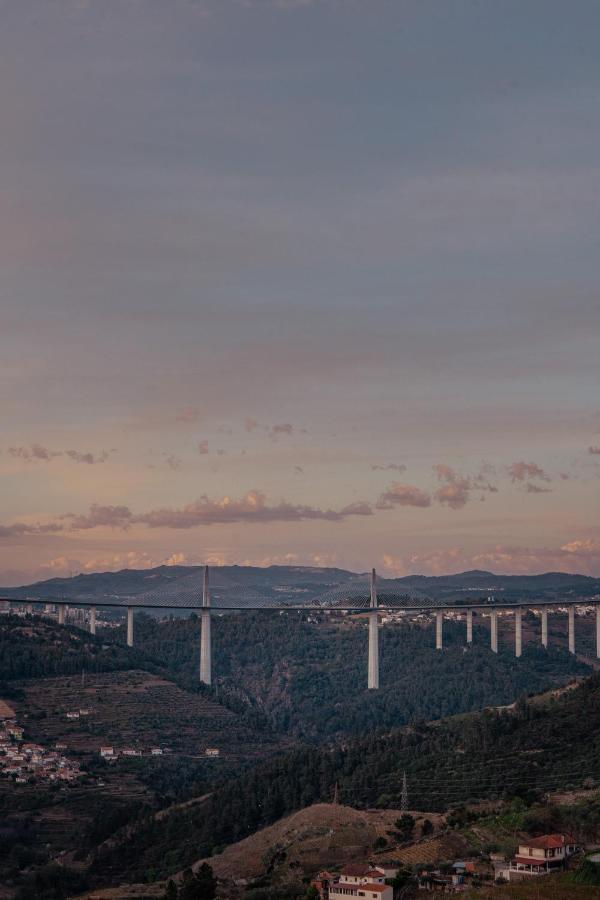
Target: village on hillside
25, 762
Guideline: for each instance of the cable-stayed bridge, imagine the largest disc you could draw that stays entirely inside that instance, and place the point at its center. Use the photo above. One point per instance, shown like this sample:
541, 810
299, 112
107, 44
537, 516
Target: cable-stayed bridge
226, 594
358, 594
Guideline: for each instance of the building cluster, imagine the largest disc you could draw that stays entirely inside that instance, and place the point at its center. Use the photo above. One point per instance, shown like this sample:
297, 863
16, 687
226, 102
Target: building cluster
534, 857
25, 762
77, 713
455, 881
113, 753
360, 881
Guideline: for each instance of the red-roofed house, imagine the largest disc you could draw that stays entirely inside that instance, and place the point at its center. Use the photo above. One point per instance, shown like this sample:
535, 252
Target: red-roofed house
363, 882
539, 856
342, 890
355, 873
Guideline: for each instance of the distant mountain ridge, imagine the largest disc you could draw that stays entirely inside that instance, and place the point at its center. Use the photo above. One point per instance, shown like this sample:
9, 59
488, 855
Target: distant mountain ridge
274, 584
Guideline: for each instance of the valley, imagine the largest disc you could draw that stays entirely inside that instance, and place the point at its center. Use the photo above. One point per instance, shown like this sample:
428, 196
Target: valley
289, 727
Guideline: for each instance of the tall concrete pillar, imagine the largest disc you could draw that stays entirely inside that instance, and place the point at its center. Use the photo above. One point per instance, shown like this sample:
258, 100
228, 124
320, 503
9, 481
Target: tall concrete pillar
130, 626
597, 632
439, 625
62, 612
373, 666
544, 628
469, 626
571, 629
494, 631
518, 631
205, 644
93, 620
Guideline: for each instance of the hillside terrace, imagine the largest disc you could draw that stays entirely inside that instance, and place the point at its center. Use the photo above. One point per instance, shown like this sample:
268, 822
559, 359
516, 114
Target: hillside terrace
132, 710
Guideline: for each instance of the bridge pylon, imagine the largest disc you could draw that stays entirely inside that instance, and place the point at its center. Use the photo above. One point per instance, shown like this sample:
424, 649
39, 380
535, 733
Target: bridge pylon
373, 664
130, 626
205, 642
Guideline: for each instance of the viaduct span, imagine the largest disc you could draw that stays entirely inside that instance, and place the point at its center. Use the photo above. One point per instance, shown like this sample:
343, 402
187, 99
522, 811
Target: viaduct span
360, 596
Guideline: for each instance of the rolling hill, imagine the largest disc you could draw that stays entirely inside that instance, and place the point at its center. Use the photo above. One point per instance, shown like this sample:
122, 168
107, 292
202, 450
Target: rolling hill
274, 585
527, 751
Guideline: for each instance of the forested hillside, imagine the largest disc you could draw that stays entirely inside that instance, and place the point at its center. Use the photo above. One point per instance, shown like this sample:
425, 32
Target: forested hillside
535, 748
35, 647
309, 678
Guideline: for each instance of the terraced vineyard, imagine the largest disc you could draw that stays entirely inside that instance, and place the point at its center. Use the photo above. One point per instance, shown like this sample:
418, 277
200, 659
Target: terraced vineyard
133, 709
57, 819
438, 849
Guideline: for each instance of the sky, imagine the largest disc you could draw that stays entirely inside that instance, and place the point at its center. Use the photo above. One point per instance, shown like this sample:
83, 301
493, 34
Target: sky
299, 281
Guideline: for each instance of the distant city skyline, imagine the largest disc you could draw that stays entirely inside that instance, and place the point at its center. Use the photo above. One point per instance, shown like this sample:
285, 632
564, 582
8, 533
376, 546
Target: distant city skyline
305, 282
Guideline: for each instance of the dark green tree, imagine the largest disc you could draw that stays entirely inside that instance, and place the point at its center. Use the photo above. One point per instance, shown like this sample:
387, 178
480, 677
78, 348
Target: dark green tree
405, 825
200, 885
426, 827
170, 890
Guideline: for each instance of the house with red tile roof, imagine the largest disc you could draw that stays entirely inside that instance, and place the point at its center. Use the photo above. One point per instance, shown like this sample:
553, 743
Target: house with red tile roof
362, 882
541, 855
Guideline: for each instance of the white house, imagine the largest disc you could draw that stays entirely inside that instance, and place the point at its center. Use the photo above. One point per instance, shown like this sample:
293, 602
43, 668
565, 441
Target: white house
361, 881
539, 856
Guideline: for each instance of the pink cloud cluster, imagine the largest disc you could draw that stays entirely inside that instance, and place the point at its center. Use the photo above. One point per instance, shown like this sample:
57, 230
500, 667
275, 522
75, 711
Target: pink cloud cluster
252, 507
455, 490
523, 471
529, 475
38, 453
18, 529
403, 495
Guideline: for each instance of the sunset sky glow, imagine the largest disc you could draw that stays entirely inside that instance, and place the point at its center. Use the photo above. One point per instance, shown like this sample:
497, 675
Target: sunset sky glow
299, 281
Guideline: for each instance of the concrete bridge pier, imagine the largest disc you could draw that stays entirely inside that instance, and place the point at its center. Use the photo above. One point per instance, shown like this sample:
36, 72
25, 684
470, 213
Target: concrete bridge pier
205, 642
93, 620
373, 663
544, 628
494, 631
571, 616
130, 626
469, 626
439, 634
62, 614
518, 632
